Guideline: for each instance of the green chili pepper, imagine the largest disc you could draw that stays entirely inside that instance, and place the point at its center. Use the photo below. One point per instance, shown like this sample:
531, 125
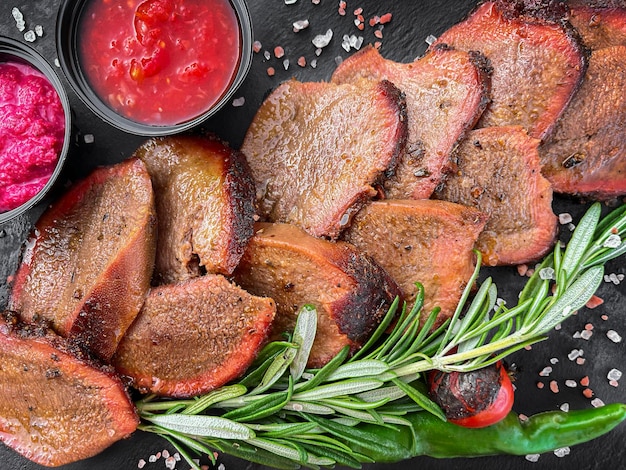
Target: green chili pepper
540, 433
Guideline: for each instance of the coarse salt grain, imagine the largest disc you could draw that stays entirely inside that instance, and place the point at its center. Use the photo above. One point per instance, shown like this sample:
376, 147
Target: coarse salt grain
267, 55
279, 52
30, 36
533, 457
221, 467
257, 46
574, 353
322, 40
554, 386
562, 452
545, 371
39, 30
597, 403
386, 18
564, 407
170, 463
313, 63
613, 241
300, 25
565, 218
286, 64
614, 374
554, 360
613, 336
570, 383
290, 2
141, 463
89, 138
271, 71
430, 39
540, 385
546, 273
587, 393
586, 334
238, 102
302, 61
584, 381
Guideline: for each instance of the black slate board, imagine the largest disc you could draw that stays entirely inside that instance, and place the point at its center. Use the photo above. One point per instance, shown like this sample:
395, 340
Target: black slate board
404, 39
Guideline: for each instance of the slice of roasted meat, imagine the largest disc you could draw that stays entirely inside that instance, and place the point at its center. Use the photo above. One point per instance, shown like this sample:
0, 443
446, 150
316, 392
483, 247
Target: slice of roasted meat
205, 202
600, 23
317, 148
446, 92
426, 241
57, 406
499, 173
587, 154
537, 63
350, 291
88, 264
194, 336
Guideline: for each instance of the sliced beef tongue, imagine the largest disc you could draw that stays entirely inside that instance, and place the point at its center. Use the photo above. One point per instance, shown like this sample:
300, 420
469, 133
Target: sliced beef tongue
537, 62
205, 204
88, 264
446, 92
426, 241
57, 406
317, 149
499, 173
586, 156
194, 336
600, 23
349, 290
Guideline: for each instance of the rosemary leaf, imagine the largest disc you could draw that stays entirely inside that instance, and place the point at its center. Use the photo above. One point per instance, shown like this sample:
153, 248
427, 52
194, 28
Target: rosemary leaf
303, 335
202, 425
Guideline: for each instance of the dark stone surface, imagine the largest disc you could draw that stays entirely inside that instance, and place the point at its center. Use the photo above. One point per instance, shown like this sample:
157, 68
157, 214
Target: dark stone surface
404, 39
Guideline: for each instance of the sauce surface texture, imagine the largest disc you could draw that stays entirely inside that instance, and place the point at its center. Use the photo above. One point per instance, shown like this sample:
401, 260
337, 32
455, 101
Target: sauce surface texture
159, 62
32, 129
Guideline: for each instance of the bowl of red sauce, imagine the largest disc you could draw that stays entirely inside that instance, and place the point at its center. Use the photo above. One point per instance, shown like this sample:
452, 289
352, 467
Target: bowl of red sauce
35, 128
154, 67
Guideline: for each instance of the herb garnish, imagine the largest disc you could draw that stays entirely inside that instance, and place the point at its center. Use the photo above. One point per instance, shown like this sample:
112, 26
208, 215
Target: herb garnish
281, 415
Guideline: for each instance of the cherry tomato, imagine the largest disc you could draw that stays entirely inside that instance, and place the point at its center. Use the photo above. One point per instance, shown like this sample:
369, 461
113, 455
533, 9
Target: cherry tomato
473, 399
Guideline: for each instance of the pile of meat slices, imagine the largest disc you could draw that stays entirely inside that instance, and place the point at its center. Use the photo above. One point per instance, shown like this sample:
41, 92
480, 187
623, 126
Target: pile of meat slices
173, 268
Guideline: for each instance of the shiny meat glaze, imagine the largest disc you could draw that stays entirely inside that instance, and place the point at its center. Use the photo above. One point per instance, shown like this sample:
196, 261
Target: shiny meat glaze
316, 149
424, 241
194, 336
350, 291
57, 406
516, 197
446, 92
88, 264
537, 66
205, 204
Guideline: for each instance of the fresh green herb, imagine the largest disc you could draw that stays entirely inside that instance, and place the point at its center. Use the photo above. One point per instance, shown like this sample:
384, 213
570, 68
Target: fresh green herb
356, 410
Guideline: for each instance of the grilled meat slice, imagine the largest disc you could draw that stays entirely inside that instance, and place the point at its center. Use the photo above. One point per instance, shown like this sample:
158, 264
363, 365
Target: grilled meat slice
587, 154
88, 265
499, 173
194, 336
446, 92
350, 291
57, 405
316, 149
537, 64
426, 241
600, 23
205, 202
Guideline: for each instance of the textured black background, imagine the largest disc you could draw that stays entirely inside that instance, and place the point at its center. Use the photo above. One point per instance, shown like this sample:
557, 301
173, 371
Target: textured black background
404, 40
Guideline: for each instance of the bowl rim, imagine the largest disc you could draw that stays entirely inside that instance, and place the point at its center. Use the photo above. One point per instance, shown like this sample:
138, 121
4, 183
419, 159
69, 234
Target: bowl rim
66, 32
11, 48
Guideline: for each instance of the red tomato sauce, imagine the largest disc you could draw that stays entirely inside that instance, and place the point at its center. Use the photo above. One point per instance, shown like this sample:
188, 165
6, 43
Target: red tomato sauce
159, 62
32, 131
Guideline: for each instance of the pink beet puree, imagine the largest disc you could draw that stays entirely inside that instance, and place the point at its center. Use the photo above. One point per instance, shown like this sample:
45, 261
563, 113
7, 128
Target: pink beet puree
32, 128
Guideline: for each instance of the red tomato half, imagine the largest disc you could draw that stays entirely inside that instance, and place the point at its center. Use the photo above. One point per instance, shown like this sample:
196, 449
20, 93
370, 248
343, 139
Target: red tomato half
473, 399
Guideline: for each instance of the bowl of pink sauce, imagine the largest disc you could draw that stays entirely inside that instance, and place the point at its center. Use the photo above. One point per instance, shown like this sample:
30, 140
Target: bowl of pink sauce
35, 127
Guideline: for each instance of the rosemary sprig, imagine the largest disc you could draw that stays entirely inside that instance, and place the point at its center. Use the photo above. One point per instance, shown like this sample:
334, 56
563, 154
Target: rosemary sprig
284, 416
